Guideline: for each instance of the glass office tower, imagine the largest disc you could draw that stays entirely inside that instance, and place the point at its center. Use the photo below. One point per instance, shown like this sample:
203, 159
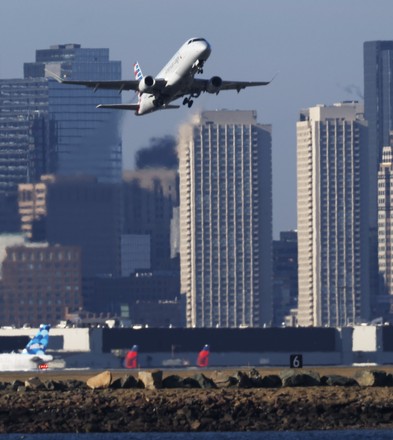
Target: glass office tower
88, 139
378, 92
378, 109
27, 142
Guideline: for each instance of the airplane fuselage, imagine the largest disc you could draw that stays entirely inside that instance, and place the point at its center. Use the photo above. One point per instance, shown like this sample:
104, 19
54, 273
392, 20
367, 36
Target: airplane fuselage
178, 74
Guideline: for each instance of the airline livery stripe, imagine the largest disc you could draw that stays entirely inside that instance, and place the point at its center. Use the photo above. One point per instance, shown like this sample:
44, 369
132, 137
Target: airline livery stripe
137, 72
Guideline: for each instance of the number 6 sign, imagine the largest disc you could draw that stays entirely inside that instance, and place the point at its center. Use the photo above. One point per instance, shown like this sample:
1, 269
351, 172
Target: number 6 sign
296, 361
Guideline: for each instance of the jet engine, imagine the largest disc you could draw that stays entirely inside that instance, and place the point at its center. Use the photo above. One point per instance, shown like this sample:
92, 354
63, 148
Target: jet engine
214, 84
146, 84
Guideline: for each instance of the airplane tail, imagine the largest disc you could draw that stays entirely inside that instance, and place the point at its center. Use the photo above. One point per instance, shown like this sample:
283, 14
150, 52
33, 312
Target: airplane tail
39, 343
138, 71
203, 357
131, 359
138, 76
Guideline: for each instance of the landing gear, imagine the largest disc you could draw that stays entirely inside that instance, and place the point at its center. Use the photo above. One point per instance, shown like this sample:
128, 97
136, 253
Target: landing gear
199, 66
188, 101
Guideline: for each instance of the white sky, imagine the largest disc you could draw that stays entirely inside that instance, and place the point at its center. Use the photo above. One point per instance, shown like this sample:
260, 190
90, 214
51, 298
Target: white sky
315, 45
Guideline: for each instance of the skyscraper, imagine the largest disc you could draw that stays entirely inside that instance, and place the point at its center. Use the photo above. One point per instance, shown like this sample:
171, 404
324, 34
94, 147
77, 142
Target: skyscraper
385, 227
27, 141
149, 197
378, 109
285, 276
226, 219
378, 92
88, 140
333, 220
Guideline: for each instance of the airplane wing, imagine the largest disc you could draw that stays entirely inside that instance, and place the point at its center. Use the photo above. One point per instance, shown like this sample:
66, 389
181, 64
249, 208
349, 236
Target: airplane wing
239, 85
132, 106
114, 85
202, 85
119, 106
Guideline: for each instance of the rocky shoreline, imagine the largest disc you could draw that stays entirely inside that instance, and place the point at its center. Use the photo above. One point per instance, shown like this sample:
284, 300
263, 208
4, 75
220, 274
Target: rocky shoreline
245, 401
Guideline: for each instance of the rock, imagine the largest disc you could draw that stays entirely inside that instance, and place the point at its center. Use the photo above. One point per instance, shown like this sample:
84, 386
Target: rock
244, 381
16, 384
34, 383
151, 380
125, 382
204, 382
100, 381
74, 384
116, 384
172, 381
190, 382
255, 377
271, 381
374, 378
231, 382
296, 378
337, 380
222, 379
128, 382
54, 385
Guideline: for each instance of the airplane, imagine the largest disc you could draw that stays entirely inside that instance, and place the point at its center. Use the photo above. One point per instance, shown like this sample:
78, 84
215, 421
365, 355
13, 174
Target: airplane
175, 80
203, 357
32, 357
131, 359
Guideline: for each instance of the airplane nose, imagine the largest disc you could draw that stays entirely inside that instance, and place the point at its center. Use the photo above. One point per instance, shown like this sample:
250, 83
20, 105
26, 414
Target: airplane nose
205, 49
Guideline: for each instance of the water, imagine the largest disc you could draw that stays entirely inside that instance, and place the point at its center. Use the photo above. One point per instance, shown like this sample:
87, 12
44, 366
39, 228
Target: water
383, 434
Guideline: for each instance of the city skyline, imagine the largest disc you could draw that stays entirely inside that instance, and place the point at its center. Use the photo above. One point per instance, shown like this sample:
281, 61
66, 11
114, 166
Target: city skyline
292, 38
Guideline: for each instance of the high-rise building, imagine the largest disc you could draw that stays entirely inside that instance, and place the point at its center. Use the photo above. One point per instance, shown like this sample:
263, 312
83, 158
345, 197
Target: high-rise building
378, 90
27, 141
285, 276
333, 216
82, 212
226, 219
88, 139
27, 138
378, 109
149, 198
385, 226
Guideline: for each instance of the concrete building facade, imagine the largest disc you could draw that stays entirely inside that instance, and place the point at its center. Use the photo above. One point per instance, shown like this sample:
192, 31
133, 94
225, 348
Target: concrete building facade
333, 216
39, 283
226, 219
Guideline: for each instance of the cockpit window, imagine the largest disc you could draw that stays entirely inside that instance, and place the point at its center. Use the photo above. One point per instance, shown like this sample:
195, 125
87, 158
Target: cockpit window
195, 39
